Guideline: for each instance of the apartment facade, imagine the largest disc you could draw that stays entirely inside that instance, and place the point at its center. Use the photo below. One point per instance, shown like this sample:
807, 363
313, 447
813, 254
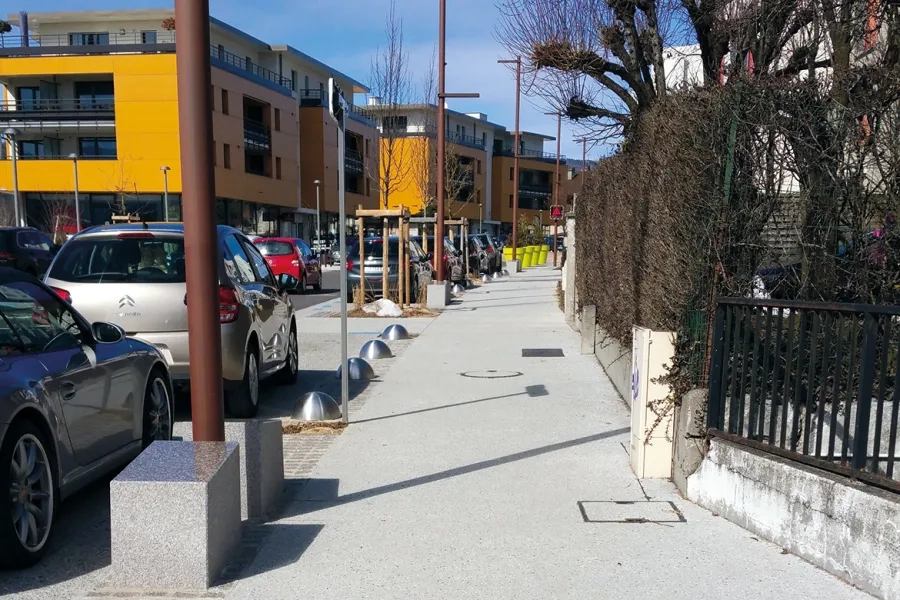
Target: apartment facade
95, 93
480, 182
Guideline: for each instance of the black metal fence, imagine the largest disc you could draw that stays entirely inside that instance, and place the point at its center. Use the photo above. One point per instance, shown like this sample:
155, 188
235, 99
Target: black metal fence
812, 382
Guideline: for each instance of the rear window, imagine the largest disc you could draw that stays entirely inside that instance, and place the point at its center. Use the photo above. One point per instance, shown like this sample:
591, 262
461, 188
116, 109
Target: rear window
139, 260
272, 248
32, 240
375, 249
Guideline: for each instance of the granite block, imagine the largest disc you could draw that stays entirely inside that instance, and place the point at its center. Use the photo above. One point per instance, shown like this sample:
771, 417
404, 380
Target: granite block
177, 499
438, 295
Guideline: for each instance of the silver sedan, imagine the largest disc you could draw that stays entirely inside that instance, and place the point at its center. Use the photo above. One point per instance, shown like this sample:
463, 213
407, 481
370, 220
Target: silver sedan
76, 402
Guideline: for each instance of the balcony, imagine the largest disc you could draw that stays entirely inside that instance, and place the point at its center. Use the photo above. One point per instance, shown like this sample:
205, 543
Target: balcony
316, 98
61, 109
465, 140
78, 44
535, 191
233, 62
353, 162
531, 154
257, 136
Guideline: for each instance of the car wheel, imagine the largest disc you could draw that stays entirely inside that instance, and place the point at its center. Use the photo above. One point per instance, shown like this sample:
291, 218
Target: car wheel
288, 373
302, 287
317, 286
243, 401
28, 497
157, 409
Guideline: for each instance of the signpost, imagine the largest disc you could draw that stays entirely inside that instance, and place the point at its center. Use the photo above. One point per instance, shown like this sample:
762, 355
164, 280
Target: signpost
556, 213
337, 106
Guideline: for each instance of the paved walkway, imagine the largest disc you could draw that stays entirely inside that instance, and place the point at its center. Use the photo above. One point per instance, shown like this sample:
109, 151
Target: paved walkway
450, 486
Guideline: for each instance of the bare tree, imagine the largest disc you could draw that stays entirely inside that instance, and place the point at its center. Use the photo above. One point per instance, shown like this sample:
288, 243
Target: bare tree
390, 81
459, 181
422, 151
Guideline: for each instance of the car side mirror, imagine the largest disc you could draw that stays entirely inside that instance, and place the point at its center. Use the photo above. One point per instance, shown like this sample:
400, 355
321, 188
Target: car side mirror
287, 282
107, 333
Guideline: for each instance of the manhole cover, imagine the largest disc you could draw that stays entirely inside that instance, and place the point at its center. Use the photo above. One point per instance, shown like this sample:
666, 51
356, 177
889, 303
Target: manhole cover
627, 511
491, 374
542, 353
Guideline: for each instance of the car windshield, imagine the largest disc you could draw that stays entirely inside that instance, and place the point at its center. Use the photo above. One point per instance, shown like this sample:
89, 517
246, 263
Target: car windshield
32, 240
116, 260
274, 248
375, 249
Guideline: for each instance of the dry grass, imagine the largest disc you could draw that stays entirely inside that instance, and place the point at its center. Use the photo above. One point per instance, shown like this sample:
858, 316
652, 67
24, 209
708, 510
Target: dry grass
313, 428
560, 297
412, 312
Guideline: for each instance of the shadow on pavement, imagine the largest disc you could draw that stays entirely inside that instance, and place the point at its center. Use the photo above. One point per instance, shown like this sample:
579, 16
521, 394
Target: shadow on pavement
318, 494
292, 541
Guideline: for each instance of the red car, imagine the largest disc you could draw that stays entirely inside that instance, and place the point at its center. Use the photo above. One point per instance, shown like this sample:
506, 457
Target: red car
294, 257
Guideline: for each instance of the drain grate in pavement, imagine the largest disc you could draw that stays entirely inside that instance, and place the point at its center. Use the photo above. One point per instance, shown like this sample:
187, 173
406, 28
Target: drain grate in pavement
630, 512
542, 353
491, 374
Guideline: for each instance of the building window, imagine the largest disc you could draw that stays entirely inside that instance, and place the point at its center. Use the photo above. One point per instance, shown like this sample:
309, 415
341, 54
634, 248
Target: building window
277, 119
512, 173
510, 200
31, 149
95, 94
226, 155
395, 123
293, 80
97, 147
28, 98
277, 167
88, 39
224, 102
484, 139
255, 164
478, 165
367, 146
148, 37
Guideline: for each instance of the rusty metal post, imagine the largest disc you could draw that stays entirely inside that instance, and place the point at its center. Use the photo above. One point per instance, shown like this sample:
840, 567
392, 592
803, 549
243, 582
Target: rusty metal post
362, 260
385, 282
401, 263
441, 141
515, 217
405, 226
198, 206
556, 190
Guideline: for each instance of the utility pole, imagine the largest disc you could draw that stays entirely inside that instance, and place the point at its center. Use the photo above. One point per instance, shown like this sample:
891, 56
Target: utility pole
165, 171
442, 138
318, 224
337, 106
515, 217
200, 247
11, 134
556, 183
74, 158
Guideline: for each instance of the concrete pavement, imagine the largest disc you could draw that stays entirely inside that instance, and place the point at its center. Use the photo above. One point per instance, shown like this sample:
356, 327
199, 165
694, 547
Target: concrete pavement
472, 472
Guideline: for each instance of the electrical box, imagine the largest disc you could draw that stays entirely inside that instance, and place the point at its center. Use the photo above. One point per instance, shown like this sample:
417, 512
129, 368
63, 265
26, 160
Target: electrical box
652, 418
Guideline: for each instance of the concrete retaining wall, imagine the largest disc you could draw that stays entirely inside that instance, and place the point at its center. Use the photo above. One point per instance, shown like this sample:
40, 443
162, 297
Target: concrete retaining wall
847, 528
616, 361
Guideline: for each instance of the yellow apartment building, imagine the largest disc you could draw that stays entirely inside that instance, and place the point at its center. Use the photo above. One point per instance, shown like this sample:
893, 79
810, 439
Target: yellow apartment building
94, 93
481, 183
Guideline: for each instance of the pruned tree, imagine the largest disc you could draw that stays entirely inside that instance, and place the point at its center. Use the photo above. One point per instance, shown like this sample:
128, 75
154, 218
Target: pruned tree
459, 181
390, 82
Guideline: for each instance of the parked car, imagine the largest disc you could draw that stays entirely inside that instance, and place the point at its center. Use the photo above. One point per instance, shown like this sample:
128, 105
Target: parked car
294, 257
494, 257
26, 249
77, 401
336, 251
419, 261
133, 275
454, 265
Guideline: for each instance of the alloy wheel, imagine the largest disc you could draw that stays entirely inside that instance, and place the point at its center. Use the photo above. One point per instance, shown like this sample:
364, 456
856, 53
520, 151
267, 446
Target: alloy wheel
293, 358
253, 378
31, 492
160, 413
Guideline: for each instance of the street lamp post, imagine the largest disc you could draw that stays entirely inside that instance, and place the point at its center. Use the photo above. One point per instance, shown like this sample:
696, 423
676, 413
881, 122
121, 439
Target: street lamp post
515, 218
480, 218
165, 171
556, 184
11, 134
74, 158
318, 225
441, 137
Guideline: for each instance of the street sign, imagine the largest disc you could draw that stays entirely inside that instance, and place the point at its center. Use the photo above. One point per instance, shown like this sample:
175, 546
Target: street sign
556, 212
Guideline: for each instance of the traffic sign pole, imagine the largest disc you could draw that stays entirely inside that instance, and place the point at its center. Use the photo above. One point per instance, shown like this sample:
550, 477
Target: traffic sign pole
337, 109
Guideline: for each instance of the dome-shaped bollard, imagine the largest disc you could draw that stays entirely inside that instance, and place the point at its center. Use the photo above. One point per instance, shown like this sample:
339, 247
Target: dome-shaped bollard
485, 278
375, 350
316, 406
458, 289
358, 370
497, 275
394, 333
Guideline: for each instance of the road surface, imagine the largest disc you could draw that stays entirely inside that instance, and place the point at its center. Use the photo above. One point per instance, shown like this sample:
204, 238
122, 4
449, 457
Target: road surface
331, 283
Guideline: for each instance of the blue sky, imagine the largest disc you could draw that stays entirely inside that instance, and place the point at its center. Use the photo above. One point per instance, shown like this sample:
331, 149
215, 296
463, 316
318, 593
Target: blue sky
346, 34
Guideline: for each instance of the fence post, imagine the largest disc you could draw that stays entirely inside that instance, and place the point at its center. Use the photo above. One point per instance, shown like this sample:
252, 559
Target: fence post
714, 399
866, 384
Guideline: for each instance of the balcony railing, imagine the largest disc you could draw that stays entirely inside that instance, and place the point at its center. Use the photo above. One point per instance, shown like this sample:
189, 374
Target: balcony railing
58, 109
533, 154
86, 43
353, 161
234, 60
20, 157
539, 191
257, 136
311, 97
465, 140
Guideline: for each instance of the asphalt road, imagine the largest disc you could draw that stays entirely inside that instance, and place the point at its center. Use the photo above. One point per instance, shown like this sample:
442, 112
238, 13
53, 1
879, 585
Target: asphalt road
331, 283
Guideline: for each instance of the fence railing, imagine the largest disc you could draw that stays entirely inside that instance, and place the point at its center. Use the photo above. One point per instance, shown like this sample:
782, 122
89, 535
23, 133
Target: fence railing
353, 161
528, 153
234, 60
85, 41
257, 135
465, 140
812, 382
56, 105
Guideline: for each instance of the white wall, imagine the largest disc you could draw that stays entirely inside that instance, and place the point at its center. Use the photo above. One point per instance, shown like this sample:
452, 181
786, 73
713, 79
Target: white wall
683, 66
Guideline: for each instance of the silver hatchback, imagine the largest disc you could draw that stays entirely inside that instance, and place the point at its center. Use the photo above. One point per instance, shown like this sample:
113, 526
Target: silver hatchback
134, 276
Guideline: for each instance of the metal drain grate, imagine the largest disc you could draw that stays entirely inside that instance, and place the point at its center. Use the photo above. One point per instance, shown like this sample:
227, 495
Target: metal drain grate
630, 512
542, 353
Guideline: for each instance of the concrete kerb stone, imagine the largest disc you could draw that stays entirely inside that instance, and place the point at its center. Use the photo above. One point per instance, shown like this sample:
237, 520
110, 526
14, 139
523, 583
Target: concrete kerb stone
175, 516
513, 266
261, 460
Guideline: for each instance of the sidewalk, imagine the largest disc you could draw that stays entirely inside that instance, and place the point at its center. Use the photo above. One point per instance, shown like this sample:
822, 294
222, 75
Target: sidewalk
460, 487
